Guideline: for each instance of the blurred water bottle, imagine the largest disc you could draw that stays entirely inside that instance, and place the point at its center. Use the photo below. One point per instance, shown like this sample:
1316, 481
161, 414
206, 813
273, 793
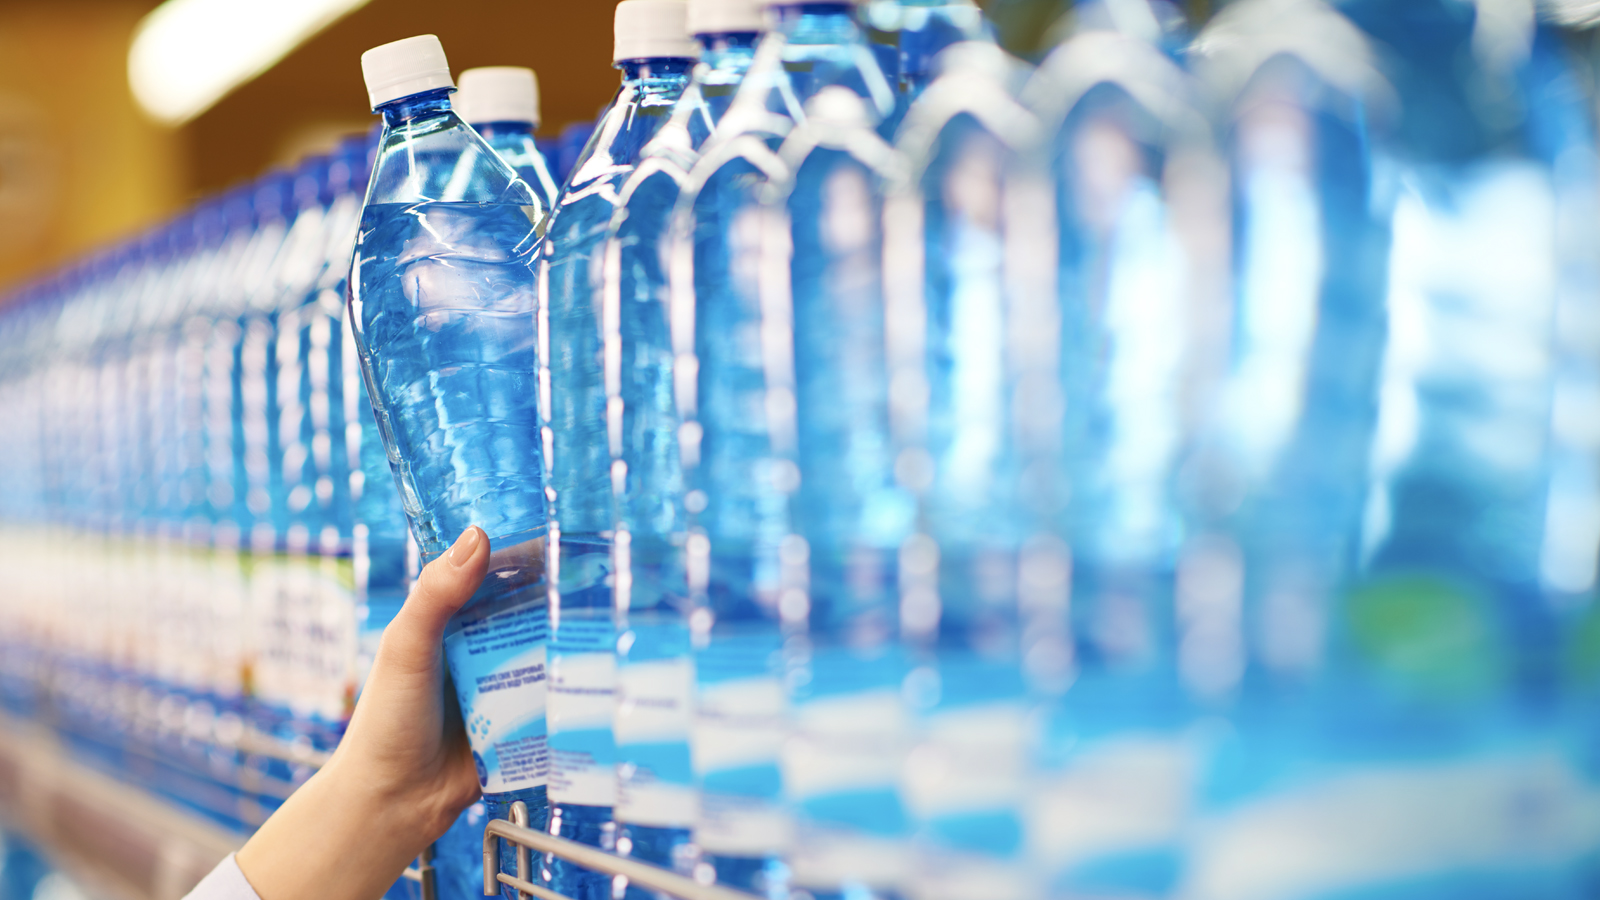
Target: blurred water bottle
1137, 264
568, 147
244, 292
641, 429
310, 507
1278, 475
739, 566
502, 104
1438, 679
980, 363
441, 303
827, 377
654, 52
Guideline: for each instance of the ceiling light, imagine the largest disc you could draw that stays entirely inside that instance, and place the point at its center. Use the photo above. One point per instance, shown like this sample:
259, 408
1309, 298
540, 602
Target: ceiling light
188, 54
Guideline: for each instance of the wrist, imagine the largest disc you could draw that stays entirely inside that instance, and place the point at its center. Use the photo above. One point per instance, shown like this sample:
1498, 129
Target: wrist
335, 838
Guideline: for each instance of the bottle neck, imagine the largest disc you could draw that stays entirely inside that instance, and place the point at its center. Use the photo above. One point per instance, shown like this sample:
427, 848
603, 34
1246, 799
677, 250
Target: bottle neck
728, 48
512, 129
816, 23
647, 74
927, 31
416, 106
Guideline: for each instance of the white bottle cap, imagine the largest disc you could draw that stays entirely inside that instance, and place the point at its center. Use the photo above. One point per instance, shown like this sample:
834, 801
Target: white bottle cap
772, 3
653, 29
497, 94
405, 67
723, 16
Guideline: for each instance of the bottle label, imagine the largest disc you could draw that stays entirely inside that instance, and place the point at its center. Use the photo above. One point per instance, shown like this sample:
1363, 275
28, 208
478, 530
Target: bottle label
1402, 828
655, 783
964, 785
843, 770
583, 678
333, 640
1117, 797
738, 733
496, 652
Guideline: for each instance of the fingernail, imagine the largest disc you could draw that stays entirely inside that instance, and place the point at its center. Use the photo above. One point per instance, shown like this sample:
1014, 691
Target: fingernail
465, 546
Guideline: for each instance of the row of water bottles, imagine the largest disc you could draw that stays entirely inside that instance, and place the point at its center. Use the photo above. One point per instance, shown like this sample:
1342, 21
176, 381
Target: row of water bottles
1166, 471
181, 487
1169, 470
202, 539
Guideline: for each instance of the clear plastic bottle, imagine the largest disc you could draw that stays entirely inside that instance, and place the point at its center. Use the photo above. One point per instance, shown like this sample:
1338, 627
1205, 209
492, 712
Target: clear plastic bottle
655, 52
975, 380
1136, 272
655, 671
828, 387
739, 566
244, 292
502, 104
441, 302
1435, 690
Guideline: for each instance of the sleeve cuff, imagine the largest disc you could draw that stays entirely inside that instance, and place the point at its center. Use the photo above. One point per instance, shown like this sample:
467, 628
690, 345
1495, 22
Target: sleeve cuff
225, 882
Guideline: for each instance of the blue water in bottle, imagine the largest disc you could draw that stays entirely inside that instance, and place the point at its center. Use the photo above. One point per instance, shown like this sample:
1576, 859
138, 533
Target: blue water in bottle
244, 293
515, 144
569, 145
850, 511
646, 474
441, 303
583, 666
1130, 281
1280, 466
736, 488
974, 439
649, 499
1435, 688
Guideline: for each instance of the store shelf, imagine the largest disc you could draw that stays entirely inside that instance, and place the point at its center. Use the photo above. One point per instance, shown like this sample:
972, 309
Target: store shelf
126, 843
528, 841
117, 839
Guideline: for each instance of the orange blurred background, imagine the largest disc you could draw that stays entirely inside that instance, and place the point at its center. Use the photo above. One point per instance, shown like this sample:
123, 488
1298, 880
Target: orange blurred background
81, 164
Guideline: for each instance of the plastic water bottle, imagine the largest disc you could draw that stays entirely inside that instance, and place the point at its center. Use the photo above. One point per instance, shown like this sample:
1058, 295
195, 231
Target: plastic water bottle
502, 104
655, 671
746, 575
441, 301
1434, 692
1127, 158
655, 52
569, 146
1280, 466
973, 382
829, 387
244, 292
299, 516
219, 227
326, 404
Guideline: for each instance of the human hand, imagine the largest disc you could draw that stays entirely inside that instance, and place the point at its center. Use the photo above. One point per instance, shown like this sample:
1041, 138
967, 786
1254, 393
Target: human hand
402, 773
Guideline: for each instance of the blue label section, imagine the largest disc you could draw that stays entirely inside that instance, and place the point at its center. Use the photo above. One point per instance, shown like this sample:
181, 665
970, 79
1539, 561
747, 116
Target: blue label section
583, 677
496, 651
744, 653
585, 631
655, 693
877, 812
765, 781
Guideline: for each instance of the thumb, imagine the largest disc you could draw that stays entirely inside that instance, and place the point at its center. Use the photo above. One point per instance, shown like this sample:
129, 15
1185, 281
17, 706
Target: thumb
411, 642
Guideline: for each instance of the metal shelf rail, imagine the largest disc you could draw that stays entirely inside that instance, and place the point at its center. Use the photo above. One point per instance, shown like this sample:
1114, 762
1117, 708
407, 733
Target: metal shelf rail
128, 843
515, 831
